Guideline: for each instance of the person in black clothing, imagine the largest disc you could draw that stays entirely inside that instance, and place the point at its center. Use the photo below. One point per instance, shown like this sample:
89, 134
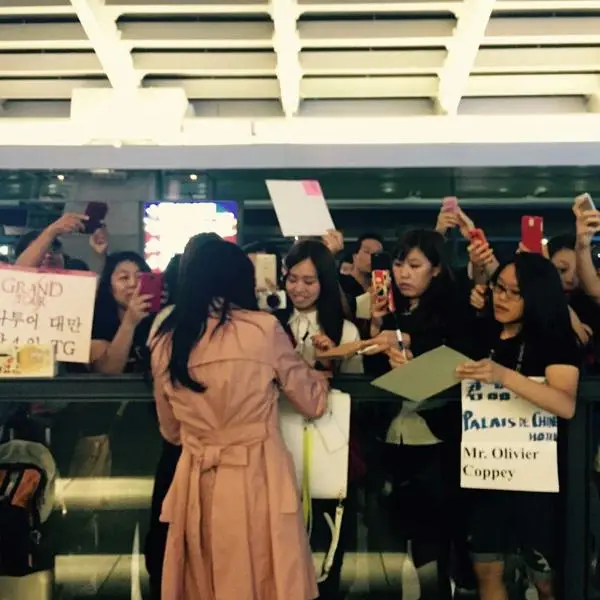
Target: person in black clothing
358, 282
119, 333
561, 250
531, 336
121, 316
419, 450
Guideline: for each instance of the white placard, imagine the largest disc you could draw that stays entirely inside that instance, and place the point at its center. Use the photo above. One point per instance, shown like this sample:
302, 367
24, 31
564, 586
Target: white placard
300, 207
507, 442
45, 307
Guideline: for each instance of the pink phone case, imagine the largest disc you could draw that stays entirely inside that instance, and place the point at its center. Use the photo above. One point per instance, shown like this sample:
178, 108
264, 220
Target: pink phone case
450, 204
152, 284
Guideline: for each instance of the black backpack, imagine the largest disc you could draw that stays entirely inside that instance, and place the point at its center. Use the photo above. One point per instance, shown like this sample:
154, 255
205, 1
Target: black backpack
24, 490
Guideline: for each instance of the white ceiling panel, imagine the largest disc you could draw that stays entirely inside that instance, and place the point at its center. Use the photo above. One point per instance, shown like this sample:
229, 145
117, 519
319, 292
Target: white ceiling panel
444, 57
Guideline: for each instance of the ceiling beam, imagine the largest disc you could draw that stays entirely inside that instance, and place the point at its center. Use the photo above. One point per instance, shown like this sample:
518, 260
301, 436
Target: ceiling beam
462, 52
286, 43
35, 7
187, 7
429, 61
321, 88
364, 34
105, 37
423, 6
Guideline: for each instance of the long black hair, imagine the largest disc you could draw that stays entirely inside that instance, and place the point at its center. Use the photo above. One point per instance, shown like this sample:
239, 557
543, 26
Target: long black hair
546, 318
215, 277
439, 297
565, 241
330, 312
106, 307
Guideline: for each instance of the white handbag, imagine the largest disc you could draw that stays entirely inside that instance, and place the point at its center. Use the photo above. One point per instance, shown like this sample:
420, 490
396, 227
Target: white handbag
320, 448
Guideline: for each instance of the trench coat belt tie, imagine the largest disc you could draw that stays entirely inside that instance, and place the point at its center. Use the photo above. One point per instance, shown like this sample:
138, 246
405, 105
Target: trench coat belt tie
224, 451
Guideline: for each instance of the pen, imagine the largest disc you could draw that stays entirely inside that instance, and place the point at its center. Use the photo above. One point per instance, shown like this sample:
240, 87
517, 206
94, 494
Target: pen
302, 343
401, 342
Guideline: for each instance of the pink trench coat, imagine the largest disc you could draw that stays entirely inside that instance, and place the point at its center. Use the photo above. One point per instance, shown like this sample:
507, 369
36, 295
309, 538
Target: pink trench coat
236, 530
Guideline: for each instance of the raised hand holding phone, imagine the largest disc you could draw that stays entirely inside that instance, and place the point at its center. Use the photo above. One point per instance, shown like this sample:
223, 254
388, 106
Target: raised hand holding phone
382, 301
583, 203
139, 308
67, 223
96, 214
448, 217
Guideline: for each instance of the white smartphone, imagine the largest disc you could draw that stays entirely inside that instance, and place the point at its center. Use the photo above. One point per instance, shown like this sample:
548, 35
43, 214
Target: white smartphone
588, 203
265, 266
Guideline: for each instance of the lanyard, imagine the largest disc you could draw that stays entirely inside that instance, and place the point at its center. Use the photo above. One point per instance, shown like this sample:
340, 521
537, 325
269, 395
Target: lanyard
519, 358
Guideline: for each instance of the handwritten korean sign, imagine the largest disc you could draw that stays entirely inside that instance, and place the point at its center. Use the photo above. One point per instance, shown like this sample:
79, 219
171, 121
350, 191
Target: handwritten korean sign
507, 442
42, 307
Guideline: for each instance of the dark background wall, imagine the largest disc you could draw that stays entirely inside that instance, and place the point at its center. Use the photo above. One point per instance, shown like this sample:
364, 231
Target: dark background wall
386, 200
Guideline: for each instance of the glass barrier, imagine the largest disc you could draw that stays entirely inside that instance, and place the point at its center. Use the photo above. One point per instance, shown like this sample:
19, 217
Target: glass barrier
103, 436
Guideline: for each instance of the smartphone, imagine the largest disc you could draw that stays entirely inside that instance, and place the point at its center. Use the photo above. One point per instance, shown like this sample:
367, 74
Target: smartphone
450, 204
588, 203
96, 213
381, 261
532, 233
477, 235
152, 284
381, 276
265, 267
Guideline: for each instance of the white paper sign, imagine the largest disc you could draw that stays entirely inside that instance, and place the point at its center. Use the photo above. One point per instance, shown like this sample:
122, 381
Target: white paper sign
507, 442
43, 307
300, 207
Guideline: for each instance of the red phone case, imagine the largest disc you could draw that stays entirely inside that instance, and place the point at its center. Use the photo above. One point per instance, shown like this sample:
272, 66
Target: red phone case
152, 284
532, 233
96, 213
477, 235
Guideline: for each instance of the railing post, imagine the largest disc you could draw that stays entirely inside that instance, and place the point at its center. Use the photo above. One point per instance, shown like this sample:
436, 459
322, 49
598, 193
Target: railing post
576, 522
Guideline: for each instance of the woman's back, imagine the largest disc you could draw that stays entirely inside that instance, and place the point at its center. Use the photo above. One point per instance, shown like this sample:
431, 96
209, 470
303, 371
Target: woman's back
237, 364
235, 476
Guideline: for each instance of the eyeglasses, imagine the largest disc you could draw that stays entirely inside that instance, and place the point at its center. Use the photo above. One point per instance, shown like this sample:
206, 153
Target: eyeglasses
500, 289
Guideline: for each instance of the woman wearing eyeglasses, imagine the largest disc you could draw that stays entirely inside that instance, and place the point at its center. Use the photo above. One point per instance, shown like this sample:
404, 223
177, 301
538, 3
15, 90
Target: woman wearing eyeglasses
530, 336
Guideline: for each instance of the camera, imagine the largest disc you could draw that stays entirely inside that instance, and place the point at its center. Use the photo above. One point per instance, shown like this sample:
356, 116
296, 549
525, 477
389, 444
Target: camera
272, 301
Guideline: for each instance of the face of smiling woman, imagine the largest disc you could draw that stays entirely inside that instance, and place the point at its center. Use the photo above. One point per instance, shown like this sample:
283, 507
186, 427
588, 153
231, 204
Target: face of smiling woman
302, 285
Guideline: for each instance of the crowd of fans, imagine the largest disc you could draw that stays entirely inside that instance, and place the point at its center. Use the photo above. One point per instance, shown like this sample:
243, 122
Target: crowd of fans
218, 364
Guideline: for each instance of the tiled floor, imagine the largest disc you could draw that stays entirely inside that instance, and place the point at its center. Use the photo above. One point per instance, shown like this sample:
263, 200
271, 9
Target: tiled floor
106, 519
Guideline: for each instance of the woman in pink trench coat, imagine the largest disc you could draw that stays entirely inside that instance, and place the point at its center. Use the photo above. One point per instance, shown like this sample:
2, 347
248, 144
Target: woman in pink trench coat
235, 521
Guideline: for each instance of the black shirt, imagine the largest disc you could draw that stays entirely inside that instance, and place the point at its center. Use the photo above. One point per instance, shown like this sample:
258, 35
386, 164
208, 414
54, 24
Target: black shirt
589, 313
105, 328
350, 286
536, 358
